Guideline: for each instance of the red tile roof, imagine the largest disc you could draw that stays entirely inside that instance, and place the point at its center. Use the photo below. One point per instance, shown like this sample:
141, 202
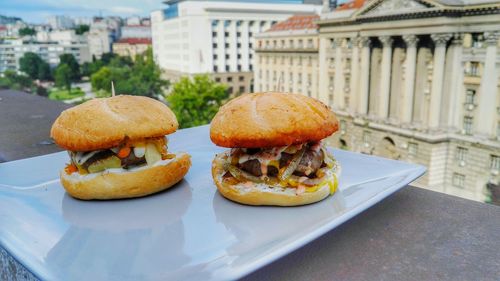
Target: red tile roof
354, 4
134, 41
296, 22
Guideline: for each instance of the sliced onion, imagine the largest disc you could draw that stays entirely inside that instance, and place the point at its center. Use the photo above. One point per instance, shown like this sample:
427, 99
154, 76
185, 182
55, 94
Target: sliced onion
139, 151
293, 164
242, 175
327, 158
307, 181
152, 154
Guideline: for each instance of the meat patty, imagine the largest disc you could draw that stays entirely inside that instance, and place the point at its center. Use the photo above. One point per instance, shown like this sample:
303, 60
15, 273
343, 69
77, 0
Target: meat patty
310, 163
132, 160
252, 166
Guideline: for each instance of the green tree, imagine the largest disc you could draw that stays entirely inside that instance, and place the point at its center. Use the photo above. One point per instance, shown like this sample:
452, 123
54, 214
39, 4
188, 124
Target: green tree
142, 77
12, 80
81, 29
195, 101
30, 63
70, 61
62, 76
27, 31
44, 71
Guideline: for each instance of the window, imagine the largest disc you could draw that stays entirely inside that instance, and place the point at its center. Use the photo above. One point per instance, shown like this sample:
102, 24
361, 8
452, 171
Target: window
229, 79
282, 44
290, 79
238, 34
495, 162
250, 34
242, 89
274, 76
250, 56
217, 79
238, 45
227, 23
238, 23
226, 34
367, 137
474, 68
227, 67
214, 45
239, 67
470, 96
230, 90
458, 180
227, 56
250, 67
310, 44
412, 148
215, 56
461, 155
241, 78
300, 61
215, 68
301, 44
250, 45
477, 40
226, 45
215, 23
468, 125
214, 34
238, 56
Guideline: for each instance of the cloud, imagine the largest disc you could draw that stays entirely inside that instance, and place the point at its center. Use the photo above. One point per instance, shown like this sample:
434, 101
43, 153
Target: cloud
125, 10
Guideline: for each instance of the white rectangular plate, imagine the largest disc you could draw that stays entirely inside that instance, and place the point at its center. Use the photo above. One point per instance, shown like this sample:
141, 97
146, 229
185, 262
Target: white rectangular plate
187, 232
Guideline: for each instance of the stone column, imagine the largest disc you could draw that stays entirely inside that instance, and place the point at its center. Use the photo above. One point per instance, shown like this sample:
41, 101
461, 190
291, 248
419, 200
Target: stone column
338, 83
364, 83
354, 94
456, 86
410, 72
323, 70
489, 87
385, 76
440, 41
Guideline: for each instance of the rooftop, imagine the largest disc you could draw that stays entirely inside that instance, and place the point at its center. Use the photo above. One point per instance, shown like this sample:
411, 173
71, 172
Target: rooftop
354, 4
296, 22
134, 41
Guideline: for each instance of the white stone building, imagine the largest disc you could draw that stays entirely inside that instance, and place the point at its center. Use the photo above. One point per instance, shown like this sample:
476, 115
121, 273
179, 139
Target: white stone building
418, 80
286, 57
59, 22
99, 40
215, 37
12, 50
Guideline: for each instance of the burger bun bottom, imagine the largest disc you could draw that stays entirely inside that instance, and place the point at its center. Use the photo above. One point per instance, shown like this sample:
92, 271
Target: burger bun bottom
262, 194
119, 184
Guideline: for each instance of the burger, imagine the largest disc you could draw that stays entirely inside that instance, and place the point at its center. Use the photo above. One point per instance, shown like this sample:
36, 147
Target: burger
118, 148
277, 154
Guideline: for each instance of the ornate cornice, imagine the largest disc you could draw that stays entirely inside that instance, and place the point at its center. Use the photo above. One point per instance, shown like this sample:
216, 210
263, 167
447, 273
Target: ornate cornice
386, 41
441, 39
365, 41
410, 40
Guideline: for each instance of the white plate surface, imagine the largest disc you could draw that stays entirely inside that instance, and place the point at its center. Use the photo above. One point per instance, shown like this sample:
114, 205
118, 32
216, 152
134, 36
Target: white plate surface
187, 232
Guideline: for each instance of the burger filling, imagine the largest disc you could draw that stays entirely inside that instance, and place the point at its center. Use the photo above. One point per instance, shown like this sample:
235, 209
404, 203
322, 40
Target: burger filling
301, 166
128, 154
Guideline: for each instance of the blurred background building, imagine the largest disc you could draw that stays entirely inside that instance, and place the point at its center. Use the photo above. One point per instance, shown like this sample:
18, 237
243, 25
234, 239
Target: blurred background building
410, 80
216, 37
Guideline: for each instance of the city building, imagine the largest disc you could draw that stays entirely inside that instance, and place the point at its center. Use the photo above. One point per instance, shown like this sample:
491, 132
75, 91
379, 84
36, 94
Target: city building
99, 41
417, 80
287, 56
136, 31
216, 37
59, 22
12, 50
131, 46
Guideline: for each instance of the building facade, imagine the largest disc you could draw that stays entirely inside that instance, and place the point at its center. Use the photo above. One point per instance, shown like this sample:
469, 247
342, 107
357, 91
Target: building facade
418, 80
215, 37
130, 47
12, 50
287, 57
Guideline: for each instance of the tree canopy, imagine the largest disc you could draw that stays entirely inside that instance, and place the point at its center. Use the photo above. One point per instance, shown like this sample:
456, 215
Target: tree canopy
27, 31
12, 80
81, 29
74, 67
34, 66
62, 76
142, 77
196, 101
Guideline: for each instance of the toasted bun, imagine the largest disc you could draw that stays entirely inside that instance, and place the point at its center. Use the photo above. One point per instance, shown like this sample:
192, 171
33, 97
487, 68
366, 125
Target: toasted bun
104, 123
271, 119
262, 194
127, 184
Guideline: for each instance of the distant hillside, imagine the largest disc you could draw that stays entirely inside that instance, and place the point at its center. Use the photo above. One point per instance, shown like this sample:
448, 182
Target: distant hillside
7, 20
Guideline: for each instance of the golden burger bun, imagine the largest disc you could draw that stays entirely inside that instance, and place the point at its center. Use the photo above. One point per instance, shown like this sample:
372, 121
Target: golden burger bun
105, 122
119, 183
262, 194
271, 119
